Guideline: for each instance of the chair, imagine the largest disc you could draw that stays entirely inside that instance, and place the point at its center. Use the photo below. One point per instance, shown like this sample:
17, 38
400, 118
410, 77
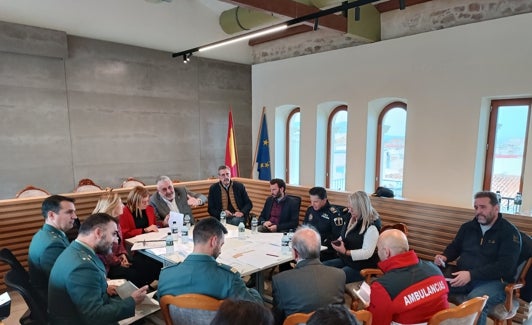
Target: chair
18, 279
297, 318
131, 182
364, 316
87, 185
189, 309
31, 191
369, 275
399, 226
466, 313
506, 311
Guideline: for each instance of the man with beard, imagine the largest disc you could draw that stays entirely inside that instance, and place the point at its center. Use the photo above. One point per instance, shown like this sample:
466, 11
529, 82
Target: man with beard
486, 249
77, 291
280, 212
201, 273
229, 196
174, 198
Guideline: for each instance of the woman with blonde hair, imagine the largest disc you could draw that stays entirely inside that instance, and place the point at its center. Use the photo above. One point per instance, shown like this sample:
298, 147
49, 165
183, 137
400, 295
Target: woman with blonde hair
357, 243
138, 216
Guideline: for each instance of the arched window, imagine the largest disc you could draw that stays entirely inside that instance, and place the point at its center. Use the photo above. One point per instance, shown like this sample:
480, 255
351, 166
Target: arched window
336, 148
391, 147
293, 133
506, 148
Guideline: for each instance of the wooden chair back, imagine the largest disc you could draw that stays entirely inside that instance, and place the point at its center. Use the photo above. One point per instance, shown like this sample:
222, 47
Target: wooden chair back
364, 316
297, 318
131, 182
31, 191
87, 185
466, 313
188, 301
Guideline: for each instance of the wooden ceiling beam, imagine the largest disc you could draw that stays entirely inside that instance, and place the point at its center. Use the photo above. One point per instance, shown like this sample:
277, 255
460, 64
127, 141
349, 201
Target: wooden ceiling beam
394, 4
292, 9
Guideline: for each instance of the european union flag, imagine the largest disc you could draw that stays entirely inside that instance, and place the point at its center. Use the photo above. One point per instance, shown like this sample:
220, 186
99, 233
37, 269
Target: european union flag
263, 152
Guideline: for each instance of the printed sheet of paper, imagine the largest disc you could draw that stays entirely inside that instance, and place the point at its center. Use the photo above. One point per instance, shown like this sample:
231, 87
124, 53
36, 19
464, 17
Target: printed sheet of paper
178, 218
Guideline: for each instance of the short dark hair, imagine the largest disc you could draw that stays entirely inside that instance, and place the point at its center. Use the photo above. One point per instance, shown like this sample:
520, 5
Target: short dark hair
94, 221
279, 183
53, 203
242, 312
492, 196
206, 228
223, 167
319, 192
332, 315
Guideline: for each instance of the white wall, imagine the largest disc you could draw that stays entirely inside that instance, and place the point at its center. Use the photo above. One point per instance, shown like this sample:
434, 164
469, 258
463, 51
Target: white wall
446, 77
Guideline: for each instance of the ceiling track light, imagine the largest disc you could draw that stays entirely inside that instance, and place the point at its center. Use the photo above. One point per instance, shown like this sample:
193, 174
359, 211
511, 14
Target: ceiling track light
402, 4
316, 24
344, 7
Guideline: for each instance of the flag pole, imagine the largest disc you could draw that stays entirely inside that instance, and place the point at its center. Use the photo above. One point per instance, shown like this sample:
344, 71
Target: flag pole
257, 144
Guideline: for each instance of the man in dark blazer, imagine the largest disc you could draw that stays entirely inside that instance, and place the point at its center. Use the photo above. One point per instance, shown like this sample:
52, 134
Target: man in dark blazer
77, 292
311, 284
229, 196
174, 198
280, 212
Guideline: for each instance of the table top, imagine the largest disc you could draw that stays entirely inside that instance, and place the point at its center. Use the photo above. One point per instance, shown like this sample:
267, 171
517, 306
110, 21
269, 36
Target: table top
252, 253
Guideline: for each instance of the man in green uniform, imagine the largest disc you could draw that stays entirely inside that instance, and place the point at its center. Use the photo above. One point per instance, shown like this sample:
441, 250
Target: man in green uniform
326, 218
77, 291
200, 273
59, 214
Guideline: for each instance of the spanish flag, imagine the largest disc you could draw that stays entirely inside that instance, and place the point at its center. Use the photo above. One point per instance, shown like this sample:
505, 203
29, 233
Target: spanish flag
231, 157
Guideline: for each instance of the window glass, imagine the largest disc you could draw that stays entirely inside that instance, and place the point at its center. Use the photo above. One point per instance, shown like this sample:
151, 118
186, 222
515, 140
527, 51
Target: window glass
337, 149
506, 149
292, 147
391, 147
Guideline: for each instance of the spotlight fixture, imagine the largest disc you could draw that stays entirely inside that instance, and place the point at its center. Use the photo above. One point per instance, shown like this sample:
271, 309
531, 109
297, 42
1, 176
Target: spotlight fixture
316, 24
357, 13
402, 4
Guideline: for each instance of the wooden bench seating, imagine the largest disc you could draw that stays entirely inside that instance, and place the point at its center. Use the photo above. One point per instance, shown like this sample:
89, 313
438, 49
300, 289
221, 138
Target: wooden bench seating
430, 226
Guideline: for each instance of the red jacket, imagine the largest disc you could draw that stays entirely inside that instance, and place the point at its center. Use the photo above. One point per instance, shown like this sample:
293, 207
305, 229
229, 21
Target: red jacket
128, 224
409, 292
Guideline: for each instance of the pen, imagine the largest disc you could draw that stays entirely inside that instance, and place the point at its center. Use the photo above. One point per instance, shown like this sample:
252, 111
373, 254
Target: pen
272, 255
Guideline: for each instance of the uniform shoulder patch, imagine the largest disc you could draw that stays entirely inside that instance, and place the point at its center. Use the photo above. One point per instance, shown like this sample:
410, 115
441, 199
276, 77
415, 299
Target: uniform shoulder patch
333, 209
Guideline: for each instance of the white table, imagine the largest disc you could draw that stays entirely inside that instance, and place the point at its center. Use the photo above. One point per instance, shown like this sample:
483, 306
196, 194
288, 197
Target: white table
251, 254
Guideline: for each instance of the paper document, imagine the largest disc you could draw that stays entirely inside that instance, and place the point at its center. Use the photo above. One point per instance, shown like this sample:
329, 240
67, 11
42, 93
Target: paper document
363, 293
148, 244
178, 218
145, 308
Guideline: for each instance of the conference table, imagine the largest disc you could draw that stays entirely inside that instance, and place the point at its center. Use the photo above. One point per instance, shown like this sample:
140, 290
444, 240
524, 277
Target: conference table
250, 254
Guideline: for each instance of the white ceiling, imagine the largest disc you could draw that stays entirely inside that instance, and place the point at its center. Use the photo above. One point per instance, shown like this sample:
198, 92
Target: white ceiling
173, 27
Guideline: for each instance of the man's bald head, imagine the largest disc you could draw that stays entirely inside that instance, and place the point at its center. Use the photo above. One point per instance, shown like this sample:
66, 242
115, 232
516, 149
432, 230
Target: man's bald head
391, 242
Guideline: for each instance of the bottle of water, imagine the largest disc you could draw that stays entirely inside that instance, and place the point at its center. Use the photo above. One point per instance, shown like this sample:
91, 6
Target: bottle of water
169, 243
517, 202
241, 230
285, 249
184, 233
187, 220
254, 225
222, 218
290, 236
175, 230
499, 197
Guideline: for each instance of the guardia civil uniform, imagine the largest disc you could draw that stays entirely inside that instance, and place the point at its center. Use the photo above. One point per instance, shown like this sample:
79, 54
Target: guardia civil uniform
77, 290
201, 273
328, 221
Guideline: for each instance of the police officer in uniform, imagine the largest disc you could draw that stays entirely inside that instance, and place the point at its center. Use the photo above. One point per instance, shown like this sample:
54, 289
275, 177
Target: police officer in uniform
326, 218
201, 273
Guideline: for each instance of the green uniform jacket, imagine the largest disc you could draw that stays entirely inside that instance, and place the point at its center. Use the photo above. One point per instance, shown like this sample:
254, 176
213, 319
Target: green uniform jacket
200, 273
46, 245
77, 290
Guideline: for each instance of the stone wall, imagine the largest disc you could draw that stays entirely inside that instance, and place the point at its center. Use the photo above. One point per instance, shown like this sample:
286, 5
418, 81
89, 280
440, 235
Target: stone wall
74, 108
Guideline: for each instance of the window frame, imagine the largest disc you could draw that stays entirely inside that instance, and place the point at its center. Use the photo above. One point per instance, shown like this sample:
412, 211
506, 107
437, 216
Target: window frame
287, 139
492, 130
329, 135
386, 109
